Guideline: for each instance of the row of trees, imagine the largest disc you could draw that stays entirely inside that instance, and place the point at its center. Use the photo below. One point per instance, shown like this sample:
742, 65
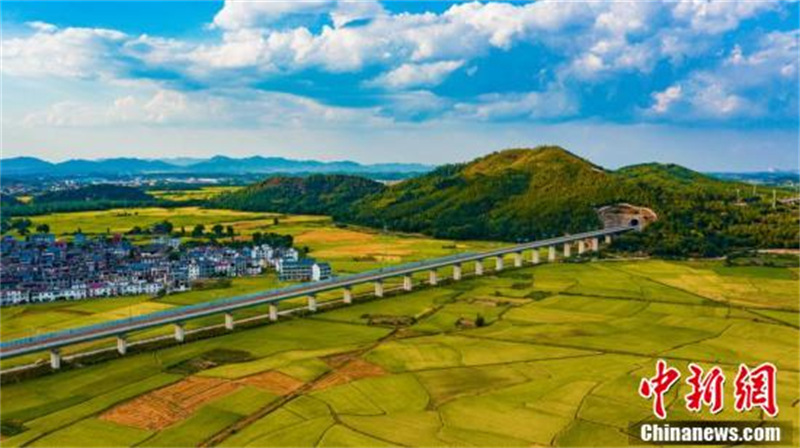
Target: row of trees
22, 226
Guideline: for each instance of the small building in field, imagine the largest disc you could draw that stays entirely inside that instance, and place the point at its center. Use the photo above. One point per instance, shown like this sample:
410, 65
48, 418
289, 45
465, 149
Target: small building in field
303, 270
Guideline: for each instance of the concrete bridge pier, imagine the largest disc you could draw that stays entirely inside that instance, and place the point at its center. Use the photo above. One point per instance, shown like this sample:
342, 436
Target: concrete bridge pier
595, 244
551, 253
122, 344
567, 250
312, 303
229, 321
408, 282
180, 331
457, 271
581, 247
433, 277
479, 267
535, 256
347, 295
517, 259
608, 239
379, 288
498, 263
55, 359
273, 312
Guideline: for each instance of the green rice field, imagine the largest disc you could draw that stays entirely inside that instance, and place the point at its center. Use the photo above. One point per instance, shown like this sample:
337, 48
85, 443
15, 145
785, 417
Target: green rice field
556, 361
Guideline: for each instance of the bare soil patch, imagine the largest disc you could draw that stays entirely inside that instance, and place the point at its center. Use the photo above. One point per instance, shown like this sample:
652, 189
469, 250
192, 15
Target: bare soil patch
352, 370
333, 236
272, 381
163, 407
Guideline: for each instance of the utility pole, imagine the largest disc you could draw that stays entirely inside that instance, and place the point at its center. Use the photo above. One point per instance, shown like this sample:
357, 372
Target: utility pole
774, 198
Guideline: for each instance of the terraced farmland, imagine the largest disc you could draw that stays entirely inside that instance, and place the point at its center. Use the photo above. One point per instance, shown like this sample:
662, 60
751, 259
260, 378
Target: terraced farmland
556, 360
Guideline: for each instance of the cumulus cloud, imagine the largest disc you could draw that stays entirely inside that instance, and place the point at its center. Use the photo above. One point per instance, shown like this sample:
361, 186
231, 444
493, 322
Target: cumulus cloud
727, 90
416, 75
709, 16
549, 104
239, 14
663, 100
236, 14
68, 52
405, 53
163, 107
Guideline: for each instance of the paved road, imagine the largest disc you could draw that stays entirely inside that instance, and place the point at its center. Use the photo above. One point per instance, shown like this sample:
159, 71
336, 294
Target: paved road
78, 335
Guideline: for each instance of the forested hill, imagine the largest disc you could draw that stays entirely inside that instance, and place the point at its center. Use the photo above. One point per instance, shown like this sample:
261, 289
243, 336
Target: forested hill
101, 192
329, 194
90, 197
526, 194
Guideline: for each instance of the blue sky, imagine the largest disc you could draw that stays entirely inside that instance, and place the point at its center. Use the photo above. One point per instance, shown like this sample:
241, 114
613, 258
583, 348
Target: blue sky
710, 85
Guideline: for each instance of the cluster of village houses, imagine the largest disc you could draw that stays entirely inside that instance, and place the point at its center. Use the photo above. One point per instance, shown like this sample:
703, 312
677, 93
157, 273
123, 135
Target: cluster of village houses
43, 269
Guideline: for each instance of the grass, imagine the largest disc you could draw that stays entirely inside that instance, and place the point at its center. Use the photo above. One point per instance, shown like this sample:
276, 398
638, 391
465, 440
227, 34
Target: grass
93, 432
198, 194
558, 363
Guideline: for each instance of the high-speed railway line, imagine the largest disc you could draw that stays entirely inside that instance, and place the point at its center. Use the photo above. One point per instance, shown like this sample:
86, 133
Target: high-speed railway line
178, 316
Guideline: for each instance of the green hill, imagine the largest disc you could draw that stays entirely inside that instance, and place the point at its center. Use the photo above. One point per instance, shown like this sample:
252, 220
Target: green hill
511, 195
330, 194
527, 194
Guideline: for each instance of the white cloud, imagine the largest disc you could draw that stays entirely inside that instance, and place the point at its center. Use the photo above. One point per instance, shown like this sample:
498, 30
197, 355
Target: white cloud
238, 108
241, 14
68, 52
595, 39
347, 12
713, 16
549, 104
591, 42
238, 14
664, 99
416, 75
726, 90
162, 107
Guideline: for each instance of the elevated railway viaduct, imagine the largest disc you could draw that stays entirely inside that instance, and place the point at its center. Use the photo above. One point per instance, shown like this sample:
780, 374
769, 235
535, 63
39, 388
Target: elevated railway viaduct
177, 317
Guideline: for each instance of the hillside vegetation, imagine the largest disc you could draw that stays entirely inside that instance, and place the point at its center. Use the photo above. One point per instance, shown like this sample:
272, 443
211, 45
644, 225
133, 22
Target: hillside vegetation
90, 197
102, 192
316, 194
527, 194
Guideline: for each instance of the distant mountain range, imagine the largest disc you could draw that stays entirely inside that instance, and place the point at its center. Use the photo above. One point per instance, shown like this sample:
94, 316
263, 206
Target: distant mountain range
218, 165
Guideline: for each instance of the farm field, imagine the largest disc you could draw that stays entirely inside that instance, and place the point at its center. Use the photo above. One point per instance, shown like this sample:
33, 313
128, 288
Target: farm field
349, 249
557, 361
198, 194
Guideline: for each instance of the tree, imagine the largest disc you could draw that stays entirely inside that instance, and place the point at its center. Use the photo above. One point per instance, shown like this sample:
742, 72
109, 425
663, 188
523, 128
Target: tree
199, 231
218, 230
257, 237
43, 228
275, 221
163, 227
230, 231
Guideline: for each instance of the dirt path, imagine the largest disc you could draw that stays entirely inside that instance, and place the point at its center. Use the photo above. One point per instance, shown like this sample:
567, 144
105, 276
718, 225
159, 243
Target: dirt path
321, 381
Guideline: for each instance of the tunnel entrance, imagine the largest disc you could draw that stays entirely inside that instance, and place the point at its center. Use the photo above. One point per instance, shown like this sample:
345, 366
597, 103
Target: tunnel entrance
626, 215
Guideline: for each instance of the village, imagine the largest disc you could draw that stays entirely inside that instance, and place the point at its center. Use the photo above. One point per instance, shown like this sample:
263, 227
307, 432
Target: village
42, 268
